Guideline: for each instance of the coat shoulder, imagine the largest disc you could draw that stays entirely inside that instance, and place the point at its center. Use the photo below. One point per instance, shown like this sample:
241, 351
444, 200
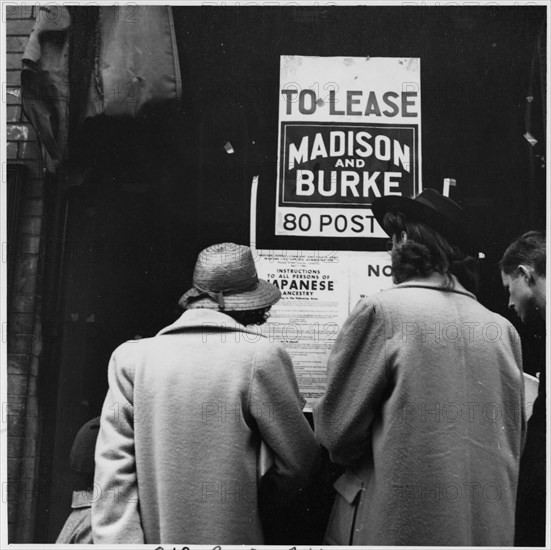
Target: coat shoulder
368, 306
264, 349
131, 347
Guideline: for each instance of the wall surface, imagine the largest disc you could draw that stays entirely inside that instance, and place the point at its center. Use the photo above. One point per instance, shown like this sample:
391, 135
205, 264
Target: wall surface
24, 301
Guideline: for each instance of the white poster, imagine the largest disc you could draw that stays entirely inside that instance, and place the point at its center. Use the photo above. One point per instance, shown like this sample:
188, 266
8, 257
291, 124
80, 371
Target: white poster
318, 291
349, 132
314, 303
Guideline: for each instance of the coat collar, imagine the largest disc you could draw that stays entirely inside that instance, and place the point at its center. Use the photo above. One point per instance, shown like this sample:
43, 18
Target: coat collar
436, 281
194, 319
82, 499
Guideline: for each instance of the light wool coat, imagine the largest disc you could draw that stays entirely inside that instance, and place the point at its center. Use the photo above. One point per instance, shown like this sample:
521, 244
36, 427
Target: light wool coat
178, 456
424, 405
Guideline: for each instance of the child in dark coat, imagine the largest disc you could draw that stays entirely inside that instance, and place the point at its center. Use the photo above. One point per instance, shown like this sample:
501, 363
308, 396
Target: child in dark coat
78, 527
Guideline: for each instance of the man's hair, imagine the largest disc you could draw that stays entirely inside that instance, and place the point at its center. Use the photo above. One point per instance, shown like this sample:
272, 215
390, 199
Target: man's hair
529, 249
427, 251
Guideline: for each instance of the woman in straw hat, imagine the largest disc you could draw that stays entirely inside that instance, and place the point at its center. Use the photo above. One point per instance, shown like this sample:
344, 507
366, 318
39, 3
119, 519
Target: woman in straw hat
424, 401
196, 415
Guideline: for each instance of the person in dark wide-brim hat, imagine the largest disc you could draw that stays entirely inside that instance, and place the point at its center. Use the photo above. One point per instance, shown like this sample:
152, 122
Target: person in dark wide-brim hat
207, 397
430, 234
432, 208
407, 365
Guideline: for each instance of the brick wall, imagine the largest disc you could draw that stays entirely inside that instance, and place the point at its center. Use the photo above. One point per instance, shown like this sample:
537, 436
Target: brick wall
24, 300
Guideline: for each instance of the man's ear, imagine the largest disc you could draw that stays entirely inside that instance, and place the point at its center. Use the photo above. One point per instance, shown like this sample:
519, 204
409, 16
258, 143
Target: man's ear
526, 272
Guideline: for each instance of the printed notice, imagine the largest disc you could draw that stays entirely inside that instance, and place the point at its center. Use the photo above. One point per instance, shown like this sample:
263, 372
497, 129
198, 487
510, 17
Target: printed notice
318, 291
314, 304
349, 133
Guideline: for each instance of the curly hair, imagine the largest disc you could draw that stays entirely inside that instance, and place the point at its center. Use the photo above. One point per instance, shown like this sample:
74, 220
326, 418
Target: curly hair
245, 318
528, 249
426, 251
250, 316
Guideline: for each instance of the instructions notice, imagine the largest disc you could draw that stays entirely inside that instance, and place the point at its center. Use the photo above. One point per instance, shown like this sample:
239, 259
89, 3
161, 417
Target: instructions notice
318, 291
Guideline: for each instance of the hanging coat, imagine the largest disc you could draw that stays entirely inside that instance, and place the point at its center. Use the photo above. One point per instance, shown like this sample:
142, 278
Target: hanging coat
136, 62
135, 67
45, 81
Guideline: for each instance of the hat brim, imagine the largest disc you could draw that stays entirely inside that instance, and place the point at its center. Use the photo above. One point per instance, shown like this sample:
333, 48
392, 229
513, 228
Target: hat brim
421, 212
263, 295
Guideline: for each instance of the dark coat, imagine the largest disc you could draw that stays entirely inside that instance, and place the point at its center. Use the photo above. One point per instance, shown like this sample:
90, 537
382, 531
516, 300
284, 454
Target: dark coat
531, 494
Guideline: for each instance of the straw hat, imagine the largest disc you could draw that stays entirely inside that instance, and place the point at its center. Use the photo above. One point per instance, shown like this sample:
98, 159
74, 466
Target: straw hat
225, 278
433, 209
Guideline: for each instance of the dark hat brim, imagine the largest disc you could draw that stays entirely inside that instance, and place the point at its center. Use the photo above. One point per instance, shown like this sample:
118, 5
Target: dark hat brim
263, 295
416, 210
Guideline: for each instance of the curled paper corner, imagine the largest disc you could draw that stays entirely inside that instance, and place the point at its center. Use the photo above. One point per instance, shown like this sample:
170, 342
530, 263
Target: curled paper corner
530, 139
448, 182
229, 148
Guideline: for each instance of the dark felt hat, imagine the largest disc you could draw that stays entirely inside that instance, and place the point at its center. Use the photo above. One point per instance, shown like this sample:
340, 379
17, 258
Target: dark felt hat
84, 446
433, 209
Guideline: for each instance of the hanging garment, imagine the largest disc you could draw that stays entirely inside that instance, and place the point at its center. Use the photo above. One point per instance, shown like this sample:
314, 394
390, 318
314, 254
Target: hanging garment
136, 61
135, 66
45, 81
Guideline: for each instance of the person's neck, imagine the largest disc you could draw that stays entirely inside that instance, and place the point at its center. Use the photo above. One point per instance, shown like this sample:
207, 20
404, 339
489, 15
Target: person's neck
540, 295
437, 279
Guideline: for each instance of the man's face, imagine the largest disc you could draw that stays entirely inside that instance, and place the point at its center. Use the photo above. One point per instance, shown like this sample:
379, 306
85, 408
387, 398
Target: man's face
521, 296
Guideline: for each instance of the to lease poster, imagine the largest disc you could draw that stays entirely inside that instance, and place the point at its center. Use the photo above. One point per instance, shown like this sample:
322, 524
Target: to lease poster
349, 132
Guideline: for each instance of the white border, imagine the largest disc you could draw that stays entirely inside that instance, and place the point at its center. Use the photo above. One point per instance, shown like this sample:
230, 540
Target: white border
224, 5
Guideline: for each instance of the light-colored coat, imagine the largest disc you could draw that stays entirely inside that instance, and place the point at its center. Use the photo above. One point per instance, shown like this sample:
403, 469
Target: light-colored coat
78, 526
178, 455
424, 405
